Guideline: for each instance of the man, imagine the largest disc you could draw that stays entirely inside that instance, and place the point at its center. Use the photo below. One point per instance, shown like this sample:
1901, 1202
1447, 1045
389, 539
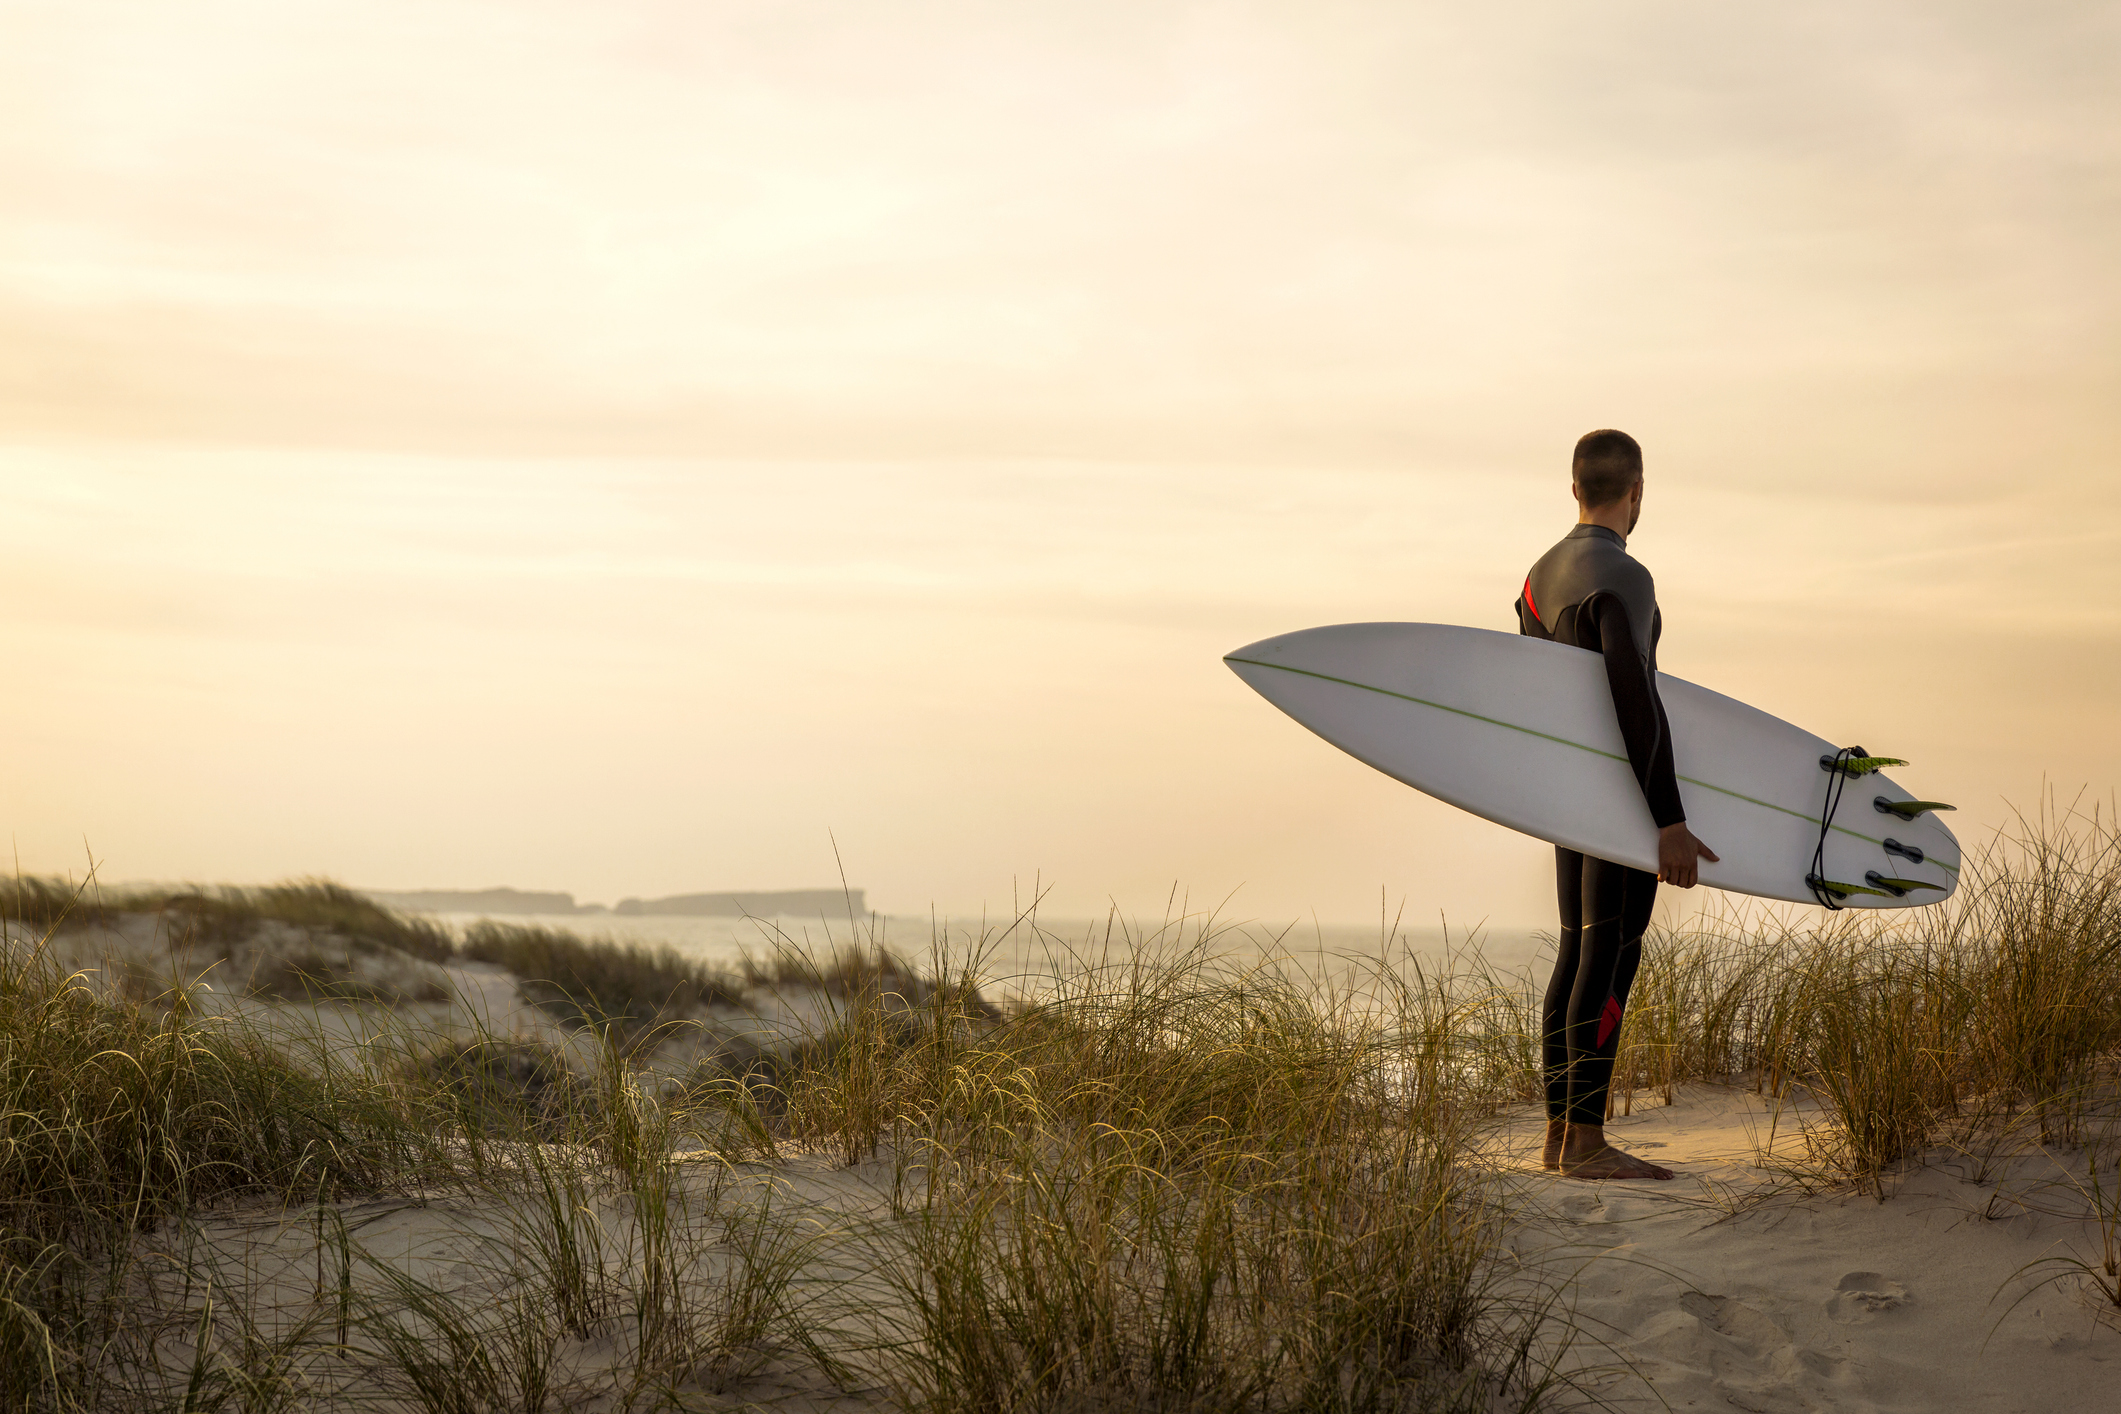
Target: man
1588, 592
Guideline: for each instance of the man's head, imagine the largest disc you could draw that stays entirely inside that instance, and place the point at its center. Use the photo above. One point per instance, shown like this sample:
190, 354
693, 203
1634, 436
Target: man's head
1606, 473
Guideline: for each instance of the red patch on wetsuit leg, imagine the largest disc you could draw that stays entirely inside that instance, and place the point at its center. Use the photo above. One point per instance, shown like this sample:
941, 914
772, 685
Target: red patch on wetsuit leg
1608, 1021
1528, 598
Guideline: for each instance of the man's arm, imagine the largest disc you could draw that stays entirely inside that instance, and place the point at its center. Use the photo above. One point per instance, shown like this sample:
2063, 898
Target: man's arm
1642, 721
1648, 735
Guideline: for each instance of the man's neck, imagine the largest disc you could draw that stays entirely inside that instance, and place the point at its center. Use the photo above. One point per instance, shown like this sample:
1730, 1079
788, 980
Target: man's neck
1613, 518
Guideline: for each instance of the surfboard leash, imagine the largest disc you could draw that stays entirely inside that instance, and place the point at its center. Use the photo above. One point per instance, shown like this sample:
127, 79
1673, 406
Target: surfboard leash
1841, 767
1836, 767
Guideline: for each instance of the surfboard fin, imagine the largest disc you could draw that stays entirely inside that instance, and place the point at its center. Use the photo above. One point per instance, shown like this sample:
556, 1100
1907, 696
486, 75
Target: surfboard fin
1908, 809
1859, 765
1898, 888
1839, 889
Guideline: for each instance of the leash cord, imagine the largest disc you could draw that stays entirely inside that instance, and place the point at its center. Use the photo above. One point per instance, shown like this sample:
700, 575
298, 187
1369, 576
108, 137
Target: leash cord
1834, 786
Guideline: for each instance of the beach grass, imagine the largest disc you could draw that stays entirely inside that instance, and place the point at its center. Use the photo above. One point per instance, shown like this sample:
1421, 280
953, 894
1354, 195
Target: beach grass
1166, 1177
1186, 1185
122, 1118
1171, 1182
1973, 1021
586, 981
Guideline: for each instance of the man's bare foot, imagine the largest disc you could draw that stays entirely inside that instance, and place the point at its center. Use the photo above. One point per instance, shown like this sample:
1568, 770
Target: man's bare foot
1557, 1130
1585, 1154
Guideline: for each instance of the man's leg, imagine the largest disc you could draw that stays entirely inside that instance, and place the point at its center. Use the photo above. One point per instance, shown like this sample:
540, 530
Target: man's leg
1638, 897
1554, 1008
1615, 912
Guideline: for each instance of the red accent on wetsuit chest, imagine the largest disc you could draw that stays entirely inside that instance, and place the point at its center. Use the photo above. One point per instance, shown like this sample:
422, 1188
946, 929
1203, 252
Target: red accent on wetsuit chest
1608, 1021
1528, 598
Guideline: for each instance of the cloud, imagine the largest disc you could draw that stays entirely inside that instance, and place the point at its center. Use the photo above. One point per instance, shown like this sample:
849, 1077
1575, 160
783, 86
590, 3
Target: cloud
1083, 229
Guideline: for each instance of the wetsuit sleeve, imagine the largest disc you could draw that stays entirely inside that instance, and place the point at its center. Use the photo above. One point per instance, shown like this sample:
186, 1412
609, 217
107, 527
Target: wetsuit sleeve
1642, 721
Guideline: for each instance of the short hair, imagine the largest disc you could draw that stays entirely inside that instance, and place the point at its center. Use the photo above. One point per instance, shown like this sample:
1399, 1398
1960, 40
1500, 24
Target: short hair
1606, 465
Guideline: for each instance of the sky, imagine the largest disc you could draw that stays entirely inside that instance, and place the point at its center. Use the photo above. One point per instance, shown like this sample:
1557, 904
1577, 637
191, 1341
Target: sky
636, 448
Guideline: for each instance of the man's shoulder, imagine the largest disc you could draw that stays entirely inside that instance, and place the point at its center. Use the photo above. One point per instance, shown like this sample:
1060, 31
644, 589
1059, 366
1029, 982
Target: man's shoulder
1592, 563
1605, 550
1626, 565
1631, 579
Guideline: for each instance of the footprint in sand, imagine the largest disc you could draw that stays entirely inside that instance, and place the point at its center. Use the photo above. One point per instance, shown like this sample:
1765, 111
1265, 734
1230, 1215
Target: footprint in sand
1751, 1328
1752, 1363
1864, 1296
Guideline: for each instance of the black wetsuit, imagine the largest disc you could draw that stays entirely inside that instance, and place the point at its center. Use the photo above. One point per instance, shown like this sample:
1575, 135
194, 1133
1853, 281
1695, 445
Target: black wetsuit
1588, 592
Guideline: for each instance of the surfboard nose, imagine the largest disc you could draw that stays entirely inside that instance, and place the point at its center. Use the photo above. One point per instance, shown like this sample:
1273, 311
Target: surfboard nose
1266, 648
1321, 647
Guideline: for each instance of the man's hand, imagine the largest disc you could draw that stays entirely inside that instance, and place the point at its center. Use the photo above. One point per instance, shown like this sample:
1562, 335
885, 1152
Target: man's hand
1679, 855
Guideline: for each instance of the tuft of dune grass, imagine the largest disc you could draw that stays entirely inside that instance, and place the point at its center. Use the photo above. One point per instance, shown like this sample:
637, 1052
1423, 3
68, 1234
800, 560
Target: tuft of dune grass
226, 914
1174, 1183
499, 1086
302, 941
854, 969
121, 1115
597, 981
220, 916
314, 972
121, 1118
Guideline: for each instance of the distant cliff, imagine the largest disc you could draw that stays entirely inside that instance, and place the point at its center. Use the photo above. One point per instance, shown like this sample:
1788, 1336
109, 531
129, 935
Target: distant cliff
810, 903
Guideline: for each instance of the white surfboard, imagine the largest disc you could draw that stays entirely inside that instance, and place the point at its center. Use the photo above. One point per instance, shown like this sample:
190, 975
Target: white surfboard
1522, 732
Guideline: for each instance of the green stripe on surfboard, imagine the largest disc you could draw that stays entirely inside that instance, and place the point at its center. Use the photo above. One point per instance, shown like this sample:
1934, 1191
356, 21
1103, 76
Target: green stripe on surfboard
1564, 741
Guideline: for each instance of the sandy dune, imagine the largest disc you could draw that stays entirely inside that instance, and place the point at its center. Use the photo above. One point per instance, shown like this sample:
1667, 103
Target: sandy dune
1739, 1285
1729, 1289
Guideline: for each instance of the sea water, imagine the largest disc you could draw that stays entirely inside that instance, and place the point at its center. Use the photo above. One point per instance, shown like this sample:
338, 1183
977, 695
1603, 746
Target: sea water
1021, 957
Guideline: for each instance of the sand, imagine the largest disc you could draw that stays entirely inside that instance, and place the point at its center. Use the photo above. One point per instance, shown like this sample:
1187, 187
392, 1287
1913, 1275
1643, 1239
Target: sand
470, 1251
1731, 1288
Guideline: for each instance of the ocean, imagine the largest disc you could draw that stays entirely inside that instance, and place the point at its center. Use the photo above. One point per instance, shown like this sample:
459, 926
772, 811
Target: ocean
1022, 958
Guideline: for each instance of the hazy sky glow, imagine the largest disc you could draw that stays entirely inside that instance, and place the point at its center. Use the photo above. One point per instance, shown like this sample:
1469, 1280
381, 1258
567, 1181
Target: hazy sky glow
608, 447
